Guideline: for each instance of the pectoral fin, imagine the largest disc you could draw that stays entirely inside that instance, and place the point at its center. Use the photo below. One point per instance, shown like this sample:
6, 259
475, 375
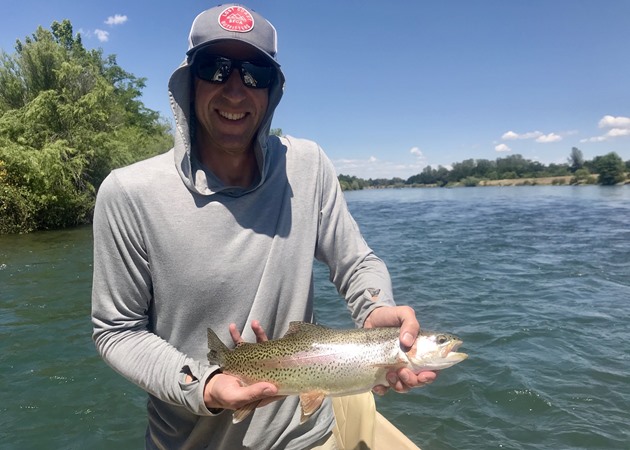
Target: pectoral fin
396, 366
310, 402
242, 413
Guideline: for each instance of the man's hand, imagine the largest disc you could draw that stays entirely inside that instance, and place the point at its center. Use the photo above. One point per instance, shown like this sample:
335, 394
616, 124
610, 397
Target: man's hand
227, 392
258, 330
404, 317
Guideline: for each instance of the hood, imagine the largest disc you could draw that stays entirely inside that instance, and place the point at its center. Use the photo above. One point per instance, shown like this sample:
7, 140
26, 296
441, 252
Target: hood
198, 179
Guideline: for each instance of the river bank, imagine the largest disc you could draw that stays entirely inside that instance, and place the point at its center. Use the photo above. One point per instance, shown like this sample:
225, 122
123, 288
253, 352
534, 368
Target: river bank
543, 181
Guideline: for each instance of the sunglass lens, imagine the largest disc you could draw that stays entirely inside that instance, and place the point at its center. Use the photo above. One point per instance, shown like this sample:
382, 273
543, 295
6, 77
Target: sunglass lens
214, 70
255, 76
218, 70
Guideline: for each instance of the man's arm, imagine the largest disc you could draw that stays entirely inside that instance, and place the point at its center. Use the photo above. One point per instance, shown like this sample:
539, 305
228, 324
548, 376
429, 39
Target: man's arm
121, 298
362, 278
359, 275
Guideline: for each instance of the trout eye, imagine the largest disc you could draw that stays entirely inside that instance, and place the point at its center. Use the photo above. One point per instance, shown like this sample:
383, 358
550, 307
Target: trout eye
441, 339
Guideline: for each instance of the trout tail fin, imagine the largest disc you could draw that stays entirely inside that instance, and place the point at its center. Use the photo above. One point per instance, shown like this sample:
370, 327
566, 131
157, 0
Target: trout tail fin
217, 349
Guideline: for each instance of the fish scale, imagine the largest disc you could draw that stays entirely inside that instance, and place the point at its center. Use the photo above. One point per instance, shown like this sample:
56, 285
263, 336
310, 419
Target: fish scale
320, 359
316, 361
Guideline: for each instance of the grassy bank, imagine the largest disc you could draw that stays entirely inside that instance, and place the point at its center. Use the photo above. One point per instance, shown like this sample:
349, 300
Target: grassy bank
544, 181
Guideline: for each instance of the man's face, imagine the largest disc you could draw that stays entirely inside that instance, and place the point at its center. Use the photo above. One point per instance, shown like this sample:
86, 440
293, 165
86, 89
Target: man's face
229, 114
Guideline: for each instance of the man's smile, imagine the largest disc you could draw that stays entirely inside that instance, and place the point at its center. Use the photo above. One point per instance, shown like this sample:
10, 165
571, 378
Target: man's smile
231, 116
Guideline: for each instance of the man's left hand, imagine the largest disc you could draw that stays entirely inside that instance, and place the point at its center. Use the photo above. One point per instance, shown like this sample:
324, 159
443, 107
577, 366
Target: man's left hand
401, 380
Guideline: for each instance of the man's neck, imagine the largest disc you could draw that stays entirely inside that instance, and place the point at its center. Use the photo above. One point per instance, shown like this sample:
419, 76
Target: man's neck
233, 169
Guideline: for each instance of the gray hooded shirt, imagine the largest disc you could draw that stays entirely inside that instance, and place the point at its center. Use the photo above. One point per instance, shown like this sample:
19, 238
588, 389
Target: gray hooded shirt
176, 251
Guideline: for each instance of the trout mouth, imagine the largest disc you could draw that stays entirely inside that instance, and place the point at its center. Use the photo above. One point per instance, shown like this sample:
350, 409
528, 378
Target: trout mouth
452, 347
451, 355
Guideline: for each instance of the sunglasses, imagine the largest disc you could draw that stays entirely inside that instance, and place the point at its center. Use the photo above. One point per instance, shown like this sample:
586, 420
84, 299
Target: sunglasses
217, 69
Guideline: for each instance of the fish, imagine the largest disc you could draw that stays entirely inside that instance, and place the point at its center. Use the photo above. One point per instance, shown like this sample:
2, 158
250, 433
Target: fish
314, 361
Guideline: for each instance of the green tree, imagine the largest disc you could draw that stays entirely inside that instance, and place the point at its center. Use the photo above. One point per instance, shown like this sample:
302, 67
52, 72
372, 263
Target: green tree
464, 169
485, 168
351, 183
513, 166
68, 116
576, 159
427, 176
610, 168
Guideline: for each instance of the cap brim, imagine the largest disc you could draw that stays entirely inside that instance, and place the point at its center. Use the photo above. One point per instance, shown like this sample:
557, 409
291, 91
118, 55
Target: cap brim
190, 54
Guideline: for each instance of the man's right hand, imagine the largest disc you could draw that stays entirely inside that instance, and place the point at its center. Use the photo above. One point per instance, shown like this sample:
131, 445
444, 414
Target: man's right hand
226, 392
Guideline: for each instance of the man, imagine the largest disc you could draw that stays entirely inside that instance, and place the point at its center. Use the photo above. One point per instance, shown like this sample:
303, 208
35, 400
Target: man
221, 230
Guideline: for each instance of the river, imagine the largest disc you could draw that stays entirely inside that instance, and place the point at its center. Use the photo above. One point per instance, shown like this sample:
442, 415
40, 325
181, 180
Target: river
535, 280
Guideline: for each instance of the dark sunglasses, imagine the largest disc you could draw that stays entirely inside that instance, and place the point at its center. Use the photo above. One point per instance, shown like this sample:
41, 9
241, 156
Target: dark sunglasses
217, 69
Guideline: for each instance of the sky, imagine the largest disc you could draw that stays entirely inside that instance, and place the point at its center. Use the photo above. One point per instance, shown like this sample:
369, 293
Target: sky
388, 88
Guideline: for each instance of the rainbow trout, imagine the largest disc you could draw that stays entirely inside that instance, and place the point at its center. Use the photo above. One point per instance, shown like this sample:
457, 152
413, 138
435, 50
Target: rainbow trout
313, 361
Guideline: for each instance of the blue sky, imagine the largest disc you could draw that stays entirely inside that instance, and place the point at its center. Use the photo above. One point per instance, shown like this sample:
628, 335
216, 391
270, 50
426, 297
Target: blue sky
387, 88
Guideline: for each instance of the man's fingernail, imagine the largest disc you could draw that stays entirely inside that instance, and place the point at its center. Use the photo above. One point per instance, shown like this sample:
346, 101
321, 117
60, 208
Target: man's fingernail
391, 379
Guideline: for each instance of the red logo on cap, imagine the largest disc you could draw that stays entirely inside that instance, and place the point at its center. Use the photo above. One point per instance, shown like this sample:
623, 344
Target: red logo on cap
236, 18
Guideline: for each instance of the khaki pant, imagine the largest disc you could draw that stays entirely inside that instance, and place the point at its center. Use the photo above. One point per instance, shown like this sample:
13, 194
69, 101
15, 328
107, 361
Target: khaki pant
360, 427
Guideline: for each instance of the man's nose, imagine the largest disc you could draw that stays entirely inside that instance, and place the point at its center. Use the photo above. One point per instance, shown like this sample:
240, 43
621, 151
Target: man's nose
234, 87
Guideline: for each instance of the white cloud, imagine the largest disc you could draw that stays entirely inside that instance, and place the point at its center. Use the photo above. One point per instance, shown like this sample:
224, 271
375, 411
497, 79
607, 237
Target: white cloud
354, 164
546, 138
102, 36
619, 126
511, 135
502, 148
614, 122
374, 167
616, 132
537, 136
117, 19
594, 139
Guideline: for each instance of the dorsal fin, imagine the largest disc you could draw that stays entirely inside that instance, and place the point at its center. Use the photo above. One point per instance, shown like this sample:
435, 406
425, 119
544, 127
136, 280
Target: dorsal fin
302, 327
217, 349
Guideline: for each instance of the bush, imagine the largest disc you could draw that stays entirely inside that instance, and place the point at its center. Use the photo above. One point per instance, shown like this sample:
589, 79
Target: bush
68, 117
470, 181
611, 169
17, 210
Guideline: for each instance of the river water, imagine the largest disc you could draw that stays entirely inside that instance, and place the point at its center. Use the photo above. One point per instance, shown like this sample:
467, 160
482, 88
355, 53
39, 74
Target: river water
535, 280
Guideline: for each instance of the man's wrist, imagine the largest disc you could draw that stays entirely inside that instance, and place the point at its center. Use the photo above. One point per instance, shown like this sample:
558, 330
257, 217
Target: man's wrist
207, 398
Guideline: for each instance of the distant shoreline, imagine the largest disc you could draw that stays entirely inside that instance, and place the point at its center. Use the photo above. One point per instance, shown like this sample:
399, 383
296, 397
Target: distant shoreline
568, 180
543, 181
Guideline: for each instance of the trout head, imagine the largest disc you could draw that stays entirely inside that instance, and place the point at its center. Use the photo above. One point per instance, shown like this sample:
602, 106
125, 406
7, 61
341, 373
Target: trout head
435, 351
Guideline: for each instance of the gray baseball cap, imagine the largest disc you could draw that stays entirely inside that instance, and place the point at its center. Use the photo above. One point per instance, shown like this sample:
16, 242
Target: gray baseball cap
233, 22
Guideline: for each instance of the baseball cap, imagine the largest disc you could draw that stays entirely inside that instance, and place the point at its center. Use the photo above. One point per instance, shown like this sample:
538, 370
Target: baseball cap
233, 22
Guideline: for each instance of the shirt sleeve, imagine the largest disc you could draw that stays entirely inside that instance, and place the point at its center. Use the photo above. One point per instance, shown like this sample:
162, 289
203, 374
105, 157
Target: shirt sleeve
359, 275
121, 300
